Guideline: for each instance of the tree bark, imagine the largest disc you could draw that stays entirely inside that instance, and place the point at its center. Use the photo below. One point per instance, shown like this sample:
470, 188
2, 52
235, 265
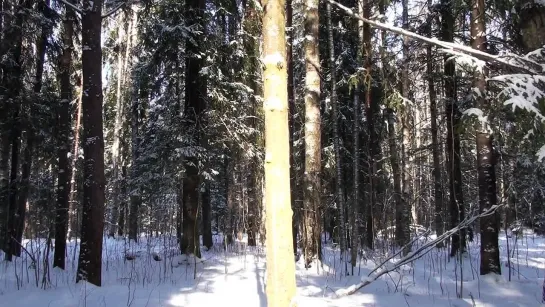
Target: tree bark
456, 206
63, 176
372, 110
339, 194
206, 217
437, 180
313, 147
292, 124
90, 258
403, 233
486, 159
281, 286
195, 104
135, 198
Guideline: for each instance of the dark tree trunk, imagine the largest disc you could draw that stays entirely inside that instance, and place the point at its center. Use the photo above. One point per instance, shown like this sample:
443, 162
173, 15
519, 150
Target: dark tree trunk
206, 217
372, 110
26, 165
135, 198
194, 106
486, 159
457, 211
396, 170
339, 193
437, 180
13, 83
292, 125
5, 141
123, 204
63, 185
92, 225
403, 234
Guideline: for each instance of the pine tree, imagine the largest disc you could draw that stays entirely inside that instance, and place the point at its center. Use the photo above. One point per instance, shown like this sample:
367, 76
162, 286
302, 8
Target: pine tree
92, 224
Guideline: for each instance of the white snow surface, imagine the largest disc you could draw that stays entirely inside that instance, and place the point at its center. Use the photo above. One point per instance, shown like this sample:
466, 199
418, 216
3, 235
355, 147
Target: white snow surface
236, 277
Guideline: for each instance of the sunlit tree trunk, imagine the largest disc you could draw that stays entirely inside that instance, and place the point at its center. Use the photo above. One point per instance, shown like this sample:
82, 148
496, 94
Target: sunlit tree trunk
313, 147
280, 265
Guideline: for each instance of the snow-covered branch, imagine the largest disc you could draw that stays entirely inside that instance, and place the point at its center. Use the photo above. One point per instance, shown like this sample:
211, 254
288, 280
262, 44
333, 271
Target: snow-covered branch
512, 61
72, 6
377, 272
114, 10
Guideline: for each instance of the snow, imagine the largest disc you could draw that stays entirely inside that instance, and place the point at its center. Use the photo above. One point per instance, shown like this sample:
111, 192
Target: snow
236, 277
541, 153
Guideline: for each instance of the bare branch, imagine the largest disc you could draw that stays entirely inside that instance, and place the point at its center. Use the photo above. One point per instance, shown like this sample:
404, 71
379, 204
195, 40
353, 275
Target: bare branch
72, 6
448, 46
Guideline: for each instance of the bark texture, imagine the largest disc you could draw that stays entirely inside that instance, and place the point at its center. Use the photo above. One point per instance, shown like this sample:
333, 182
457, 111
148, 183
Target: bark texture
280, 265
313, 147
92, 226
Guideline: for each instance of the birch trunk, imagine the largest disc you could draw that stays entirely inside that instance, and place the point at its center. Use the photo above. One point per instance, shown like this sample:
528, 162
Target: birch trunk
280, 265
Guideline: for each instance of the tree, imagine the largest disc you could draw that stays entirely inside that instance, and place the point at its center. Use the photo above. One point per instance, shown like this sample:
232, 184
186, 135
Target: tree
437, 180
339, 194
456, 205
92, 224
195, 103
486, 158
63, 185
313, 145
280, 265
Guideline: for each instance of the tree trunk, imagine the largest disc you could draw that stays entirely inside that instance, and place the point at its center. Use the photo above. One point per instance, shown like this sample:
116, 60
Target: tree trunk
195, 104
313, 147
206, 217
135, 199
456, 206
72, 202
339, 194
437, 180
281, 286
13, 82
119, 117
90, 258
292, 124
63, 177
403, 233
123, 205
486, 158
372, 108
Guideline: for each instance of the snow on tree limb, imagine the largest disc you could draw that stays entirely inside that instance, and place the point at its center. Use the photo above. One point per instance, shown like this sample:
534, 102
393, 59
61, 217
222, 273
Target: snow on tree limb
377, 272
511, 61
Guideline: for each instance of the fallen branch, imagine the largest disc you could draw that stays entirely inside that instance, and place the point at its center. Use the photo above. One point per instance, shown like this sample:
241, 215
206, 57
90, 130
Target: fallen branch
447, 46
421, 251
26, 251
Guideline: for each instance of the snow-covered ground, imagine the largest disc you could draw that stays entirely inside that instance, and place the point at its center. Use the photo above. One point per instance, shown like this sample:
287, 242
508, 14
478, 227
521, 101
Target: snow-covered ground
237, 278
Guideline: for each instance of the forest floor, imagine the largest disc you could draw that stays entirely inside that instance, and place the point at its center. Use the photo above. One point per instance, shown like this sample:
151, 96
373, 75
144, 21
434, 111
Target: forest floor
237, 278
